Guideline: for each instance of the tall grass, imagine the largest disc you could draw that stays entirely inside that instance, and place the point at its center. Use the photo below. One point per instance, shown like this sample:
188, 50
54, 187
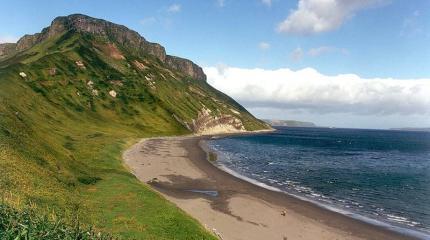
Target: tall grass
27, 224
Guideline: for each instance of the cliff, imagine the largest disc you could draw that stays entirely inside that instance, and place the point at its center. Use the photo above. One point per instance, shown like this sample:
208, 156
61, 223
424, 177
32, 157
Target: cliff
7, 49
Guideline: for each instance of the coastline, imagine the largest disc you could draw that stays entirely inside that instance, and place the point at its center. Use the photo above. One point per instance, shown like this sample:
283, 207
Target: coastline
231, 207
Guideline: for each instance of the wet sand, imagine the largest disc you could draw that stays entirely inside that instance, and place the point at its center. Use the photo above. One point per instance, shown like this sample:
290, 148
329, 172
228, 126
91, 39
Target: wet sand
178, 168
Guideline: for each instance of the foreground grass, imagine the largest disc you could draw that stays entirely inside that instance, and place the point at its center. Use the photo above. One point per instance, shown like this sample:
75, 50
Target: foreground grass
95, 186
27, 224
108, 198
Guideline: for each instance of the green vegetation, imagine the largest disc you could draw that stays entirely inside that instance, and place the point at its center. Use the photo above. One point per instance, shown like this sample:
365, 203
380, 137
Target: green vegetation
62, 134
27, 224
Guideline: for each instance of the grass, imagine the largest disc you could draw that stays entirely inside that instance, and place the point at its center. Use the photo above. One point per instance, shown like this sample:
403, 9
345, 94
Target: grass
61, 144
28, 224
90, 177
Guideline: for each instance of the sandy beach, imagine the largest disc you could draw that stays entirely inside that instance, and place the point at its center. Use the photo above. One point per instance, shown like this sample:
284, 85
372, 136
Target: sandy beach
177, 167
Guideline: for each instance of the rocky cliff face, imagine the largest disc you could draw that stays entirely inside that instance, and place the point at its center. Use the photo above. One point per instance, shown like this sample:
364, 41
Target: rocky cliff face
186, 66
27, 41
7, 49
117, 33
208, 122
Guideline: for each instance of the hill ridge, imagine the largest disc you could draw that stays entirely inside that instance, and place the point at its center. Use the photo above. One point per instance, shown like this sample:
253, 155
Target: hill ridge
119, 33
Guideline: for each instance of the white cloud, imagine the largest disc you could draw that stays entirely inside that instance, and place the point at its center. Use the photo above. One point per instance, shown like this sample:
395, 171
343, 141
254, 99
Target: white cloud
148, 21
310, 91
315, 52
264, 45
174, 8
316, 16
221, 3
8, 39
297, 54
267, 2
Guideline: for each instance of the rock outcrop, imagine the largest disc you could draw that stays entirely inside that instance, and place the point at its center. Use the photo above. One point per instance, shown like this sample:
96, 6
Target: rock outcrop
7, 49
119, 34
209, 123
186, 66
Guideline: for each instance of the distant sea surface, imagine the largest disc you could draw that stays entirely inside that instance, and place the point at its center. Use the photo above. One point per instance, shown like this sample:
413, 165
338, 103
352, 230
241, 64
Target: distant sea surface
382, 176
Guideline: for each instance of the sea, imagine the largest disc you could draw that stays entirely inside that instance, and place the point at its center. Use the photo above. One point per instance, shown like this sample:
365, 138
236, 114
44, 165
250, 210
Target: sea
378, 176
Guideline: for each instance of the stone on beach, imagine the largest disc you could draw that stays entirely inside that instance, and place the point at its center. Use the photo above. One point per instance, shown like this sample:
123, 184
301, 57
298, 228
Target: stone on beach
217, 233
154, 180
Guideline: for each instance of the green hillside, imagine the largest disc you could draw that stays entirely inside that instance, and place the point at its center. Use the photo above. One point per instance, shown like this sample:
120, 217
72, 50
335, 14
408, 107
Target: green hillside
72, 101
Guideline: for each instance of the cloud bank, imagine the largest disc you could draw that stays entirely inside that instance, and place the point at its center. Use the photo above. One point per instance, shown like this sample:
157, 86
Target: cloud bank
316, 16
310, 91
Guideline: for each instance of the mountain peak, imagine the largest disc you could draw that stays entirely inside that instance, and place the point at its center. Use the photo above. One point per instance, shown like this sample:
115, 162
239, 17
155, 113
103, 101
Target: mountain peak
116, 33
96, 26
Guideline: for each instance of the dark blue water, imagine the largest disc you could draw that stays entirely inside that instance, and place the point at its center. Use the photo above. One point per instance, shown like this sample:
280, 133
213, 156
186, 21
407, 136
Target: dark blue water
379, 174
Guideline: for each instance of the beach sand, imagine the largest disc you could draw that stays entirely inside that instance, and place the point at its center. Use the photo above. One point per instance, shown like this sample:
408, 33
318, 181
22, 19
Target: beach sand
177, 167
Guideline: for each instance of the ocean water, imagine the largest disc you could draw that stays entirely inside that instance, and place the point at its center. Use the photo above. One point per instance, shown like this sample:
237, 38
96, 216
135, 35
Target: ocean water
382, 176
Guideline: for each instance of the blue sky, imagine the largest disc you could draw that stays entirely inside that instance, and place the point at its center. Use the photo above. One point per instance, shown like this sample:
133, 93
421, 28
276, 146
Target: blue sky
386, 40
370, 39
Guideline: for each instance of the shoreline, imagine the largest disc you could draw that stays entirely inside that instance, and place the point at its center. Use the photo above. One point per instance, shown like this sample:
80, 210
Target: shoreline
403, 231
179, 169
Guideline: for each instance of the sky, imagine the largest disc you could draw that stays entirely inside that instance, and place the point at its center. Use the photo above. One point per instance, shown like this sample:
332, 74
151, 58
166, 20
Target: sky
342, 63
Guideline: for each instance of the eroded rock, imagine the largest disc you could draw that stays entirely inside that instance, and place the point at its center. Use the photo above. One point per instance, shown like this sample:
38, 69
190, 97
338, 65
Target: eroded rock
208, 122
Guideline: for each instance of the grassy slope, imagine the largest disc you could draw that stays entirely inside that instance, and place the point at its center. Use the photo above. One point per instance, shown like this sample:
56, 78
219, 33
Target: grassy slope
55, 163
62, 151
